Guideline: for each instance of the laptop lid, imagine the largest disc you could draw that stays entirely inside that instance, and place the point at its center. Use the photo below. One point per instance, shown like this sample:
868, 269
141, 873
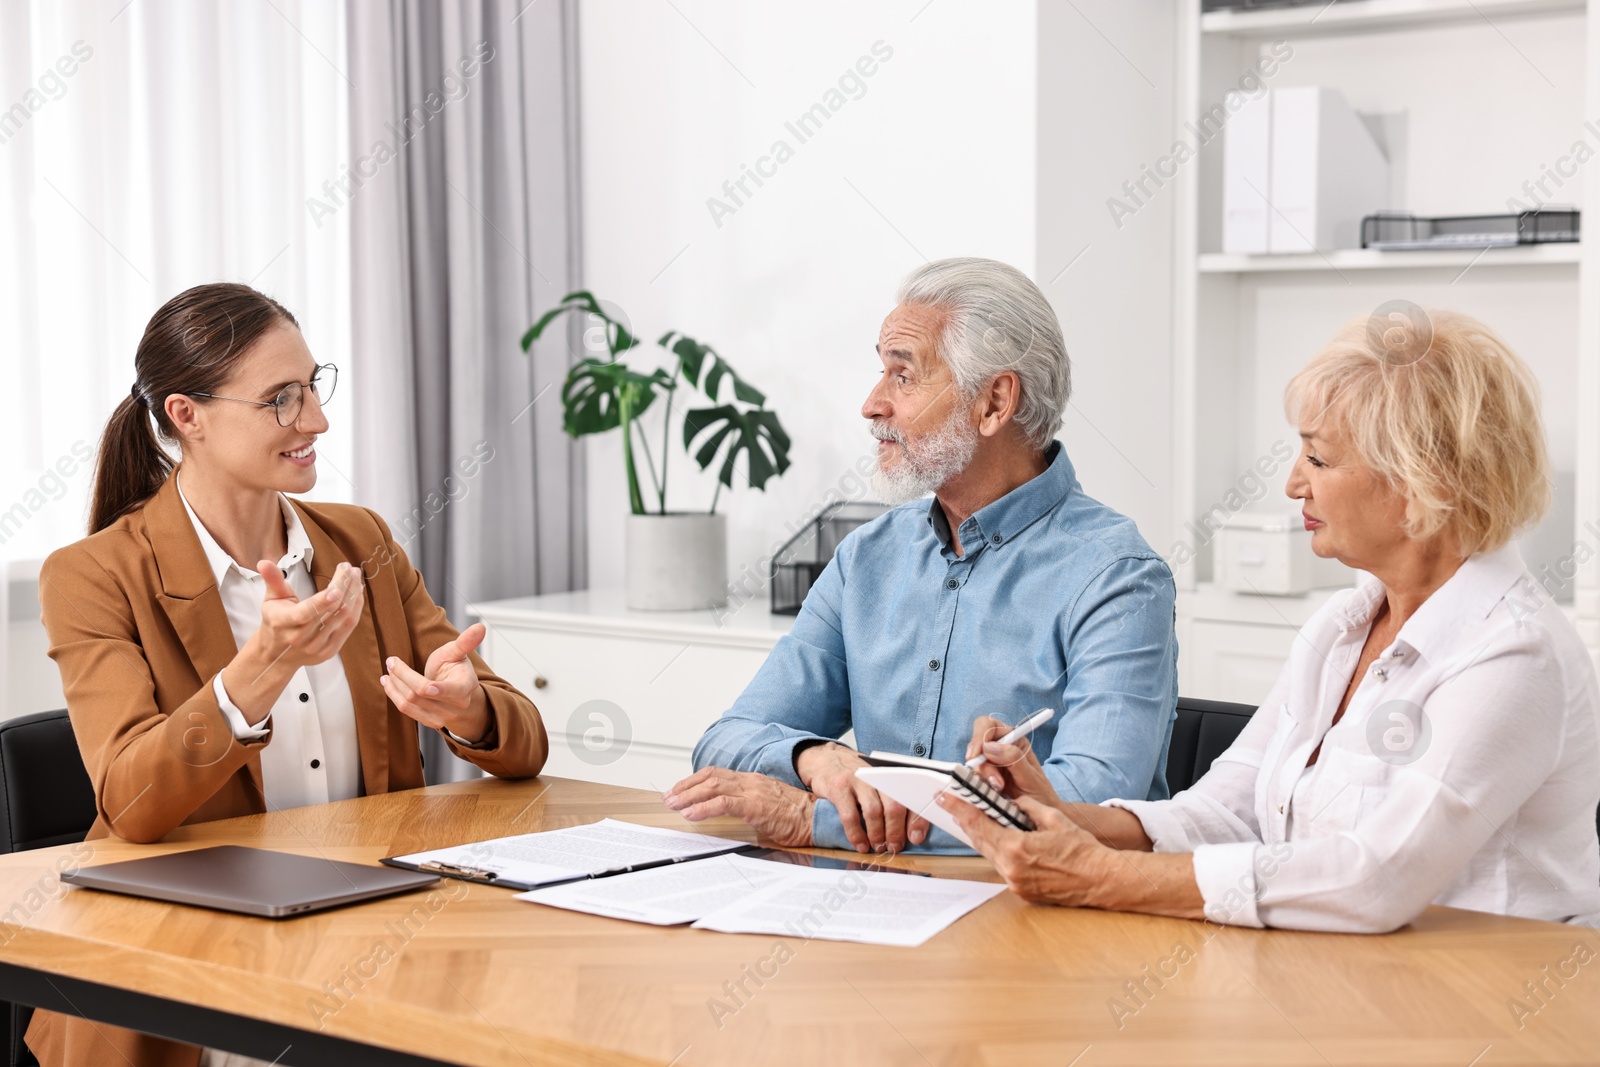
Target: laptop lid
250, 881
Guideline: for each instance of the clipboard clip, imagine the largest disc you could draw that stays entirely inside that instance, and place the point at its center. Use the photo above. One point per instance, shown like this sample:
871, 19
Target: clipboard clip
457, 870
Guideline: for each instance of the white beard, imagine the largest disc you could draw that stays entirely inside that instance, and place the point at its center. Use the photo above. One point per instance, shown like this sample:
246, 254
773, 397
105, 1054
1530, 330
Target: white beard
927, 464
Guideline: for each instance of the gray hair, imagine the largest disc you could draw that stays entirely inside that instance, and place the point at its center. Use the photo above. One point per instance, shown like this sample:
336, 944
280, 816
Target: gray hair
999, 321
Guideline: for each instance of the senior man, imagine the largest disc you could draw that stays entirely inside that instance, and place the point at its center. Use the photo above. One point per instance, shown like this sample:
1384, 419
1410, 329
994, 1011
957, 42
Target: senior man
1011, 590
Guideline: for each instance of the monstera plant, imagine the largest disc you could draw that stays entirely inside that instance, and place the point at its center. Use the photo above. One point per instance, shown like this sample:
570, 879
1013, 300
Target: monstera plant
674, 561
600, 395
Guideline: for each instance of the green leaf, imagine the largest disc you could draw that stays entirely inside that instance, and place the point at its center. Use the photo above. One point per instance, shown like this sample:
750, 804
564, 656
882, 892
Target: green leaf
692, 359
755, 432
708, 449
618, 339
594, 390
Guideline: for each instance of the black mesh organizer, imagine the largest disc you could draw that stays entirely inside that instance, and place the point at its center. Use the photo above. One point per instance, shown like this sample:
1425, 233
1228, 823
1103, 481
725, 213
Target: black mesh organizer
1398, 231
803, 557
1249, 5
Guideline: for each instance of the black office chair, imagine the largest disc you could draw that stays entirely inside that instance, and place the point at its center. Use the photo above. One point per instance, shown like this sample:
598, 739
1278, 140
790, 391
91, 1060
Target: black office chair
1202, 731
45, 799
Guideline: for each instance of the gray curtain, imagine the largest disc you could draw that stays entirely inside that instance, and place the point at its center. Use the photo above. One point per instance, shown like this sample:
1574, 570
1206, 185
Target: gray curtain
463, 195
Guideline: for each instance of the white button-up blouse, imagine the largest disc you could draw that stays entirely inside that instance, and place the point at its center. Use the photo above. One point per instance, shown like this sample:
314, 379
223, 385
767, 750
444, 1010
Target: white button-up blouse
313, 757
1465, 771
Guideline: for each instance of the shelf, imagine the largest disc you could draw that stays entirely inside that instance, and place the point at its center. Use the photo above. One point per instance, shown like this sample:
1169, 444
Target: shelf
1371, 259
1374, 16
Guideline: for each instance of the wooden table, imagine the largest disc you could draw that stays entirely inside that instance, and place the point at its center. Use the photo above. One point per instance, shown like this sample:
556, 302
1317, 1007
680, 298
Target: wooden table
471, 976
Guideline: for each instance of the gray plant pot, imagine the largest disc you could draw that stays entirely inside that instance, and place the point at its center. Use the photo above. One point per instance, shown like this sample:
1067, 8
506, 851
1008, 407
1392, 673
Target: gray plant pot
676, 562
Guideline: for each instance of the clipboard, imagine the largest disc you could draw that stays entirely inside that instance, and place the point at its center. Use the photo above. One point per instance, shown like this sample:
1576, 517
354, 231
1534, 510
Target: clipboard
483, 876
579, 853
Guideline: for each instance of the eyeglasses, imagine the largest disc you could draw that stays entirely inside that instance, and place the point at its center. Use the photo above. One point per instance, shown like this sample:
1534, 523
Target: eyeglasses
292, 397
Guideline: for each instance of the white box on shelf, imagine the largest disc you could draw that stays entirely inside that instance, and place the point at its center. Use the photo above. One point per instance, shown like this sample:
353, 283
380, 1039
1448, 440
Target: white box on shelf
1327, 171
1271, 553
1247, 176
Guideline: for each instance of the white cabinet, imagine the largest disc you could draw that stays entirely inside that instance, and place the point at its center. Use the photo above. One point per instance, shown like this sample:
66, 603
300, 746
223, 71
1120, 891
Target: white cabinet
1231, 646
1235, 661
625, 694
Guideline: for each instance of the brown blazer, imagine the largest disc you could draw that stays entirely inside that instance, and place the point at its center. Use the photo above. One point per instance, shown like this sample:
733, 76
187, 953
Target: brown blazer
138, 630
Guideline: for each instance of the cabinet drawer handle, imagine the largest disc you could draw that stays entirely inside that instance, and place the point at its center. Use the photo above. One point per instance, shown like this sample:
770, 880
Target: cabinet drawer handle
540, 681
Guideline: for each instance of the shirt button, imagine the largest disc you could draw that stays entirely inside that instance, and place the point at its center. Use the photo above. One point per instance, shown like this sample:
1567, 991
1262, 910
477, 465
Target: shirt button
1280, 809
304, 697
933, 664
996, 539
919, 749
952, 584
315, 764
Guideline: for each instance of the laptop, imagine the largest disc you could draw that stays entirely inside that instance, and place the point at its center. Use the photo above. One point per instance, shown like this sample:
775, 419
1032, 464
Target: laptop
250, 881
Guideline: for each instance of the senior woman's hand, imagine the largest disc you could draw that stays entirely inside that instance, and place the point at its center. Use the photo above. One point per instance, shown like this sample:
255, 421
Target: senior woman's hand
1061, 862
1058, 863
1013, 769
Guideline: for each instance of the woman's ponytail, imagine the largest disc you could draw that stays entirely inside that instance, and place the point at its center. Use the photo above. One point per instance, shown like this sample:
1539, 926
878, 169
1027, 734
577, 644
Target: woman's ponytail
131, 467
191, 345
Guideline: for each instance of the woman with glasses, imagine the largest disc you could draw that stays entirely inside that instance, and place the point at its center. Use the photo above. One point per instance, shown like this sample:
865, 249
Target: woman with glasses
226, 650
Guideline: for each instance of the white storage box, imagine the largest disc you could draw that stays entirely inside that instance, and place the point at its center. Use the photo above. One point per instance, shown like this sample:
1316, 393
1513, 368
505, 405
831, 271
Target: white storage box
1271, 553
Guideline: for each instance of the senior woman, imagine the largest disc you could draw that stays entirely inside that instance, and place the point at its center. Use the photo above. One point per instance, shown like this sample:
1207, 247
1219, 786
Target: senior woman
1432, 738
227, 651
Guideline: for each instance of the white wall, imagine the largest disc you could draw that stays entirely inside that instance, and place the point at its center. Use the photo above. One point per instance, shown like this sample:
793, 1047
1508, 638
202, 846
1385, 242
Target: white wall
936, 158
1106, 102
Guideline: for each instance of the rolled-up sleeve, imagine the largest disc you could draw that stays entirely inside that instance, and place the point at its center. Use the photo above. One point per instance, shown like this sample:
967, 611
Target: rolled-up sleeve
801, 692
1120, 688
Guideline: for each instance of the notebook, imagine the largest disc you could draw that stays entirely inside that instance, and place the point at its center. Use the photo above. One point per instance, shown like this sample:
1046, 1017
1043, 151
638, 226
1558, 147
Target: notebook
915, 782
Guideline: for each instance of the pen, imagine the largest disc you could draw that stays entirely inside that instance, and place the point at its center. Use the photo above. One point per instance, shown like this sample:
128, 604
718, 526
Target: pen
648, 865
457, 870
1027, 726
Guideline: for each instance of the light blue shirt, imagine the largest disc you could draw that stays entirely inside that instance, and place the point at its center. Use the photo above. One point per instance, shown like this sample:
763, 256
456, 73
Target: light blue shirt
1057, 603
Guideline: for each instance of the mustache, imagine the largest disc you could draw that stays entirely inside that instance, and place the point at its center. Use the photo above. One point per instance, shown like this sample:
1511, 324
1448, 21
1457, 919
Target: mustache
884, 432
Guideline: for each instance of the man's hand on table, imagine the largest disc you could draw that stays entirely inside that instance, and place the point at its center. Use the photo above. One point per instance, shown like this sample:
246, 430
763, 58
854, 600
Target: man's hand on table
780, 813
871, 821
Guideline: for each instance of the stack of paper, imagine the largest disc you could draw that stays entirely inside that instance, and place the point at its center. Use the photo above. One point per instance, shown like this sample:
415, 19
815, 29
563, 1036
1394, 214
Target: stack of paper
646, 874
739, 895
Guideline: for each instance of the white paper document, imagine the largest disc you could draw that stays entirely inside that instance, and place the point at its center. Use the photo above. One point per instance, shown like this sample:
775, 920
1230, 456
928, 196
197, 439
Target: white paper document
873, 908
740, 895
575, 852
665, 896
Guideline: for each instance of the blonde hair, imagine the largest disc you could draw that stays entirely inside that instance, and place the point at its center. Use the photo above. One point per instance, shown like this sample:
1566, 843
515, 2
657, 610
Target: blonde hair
1441, 409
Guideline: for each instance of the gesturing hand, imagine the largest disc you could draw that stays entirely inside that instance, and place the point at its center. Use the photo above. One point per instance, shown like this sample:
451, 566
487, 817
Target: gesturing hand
447, 694
872, 822
300, 633
294, 633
